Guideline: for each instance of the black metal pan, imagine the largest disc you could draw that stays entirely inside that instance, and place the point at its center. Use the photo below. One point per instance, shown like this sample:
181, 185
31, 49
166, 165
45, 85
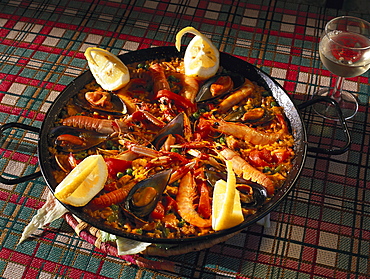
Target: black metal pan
229, 62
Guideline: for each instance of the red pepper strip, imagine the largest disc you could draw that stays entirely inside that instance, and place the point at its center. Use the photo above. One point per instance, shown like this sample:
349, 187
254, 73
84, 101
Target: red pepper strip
169, 203
73, 161
260, 158
180, 101
138, 116
158, 212
116, 165
204, 207
281, 155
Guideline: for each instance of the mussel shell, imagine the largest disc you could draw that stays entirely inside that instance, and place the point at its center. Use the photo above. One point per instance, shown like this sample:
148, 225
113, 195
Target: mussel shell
205, 94
238, 115
118, 108
157, 181
259, 192
175, 126
91, 138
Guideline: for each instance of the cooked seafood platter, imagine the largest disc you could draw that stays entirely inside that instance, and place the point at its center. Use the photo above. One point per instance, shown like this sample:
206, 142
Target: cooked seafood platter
181, 156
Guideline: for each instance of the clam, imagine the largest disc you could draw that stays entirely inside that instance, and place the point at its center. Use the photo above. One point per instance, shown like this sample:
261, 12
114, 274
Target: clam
71, 139
251, 194
144, 196
103, 102
218, 86
175, 126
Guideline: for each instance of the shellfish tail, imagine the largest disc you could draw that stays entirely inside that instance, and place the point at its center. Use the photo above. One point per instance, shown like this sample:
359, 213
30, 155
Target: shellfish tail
185, 198
114, 197
89, 123
236, 97
159, 78
191, 88
247, 133
244, 169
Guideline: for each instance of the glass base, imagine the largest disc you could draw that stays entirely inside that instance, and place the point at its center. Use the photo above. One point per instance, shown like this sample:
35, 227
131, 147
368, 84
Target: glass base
348, 104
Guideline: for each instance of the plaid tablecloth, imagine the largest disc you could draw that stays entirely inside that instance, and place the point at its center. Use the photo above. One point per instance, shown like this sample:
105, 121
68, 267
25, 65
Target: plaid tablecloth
322, 229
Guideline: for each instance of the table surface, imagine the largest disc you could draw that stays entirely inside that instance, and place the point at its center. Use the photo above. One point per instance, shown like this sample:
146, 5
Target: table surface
321, 230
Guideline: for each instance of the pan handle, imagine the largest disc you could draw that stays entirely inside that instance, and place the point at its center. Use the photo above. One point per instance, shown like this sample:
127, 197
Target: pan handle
336, 151
26, 177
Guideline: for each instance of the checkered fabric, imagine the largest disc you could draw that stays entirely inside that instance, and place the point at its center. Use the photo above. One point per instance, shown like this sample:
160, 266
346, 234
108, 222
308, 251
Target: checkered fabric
321, 230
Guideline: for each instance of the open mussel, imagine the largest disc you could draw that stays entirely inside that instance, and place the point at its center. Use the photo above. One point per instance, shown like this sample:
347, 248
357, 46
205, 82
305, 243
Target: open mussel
218, 86
251, 194
255, 116
71, 139
144, 196
175, 126
103, 102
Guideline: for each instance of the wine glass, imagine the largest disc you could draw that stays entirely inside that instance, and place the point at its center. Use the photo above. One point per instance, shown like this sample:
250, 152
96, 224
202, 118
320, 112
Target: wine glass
345, 51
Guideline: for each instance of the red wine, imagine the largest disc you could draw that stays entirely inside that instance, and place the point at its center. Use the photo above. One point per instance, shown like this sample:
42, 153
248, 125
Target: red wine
344, 54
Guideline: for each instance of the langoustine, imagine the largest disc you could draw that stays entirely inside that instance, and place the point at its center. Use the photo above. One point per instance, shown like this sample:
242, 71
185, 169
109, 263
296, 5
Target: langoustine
243, 169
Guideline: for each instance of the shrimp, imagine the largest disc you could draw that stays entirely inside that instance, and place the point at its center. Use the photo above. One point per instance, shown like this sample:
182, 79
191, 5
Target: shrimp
244, 132
185, 202
244, 169
236, 97
190, 86
103, 126
159, 78
114, 197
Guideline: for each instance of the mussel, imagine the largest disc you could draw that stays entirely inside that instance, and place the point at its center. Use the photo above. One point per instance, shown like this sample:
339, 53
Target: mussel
144, 196
256, 116
175, 126
71, 139
256, 199
218, 86
103, 102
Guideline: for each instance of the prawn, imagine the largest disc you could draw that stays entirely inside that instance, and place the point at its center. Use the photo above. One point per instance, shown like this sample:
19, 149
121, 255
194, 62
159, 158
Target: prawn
159, 78
114, 197
236, 97
244, 132
190, 86
103, 126
244, 169
185, 202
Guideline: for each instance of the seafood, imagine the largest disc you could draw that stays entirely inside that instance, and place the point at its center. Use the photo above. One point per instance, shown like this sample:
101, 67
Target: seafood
70, 139
185, 202
144, 196
255, 116
218, 86
191, 88
176, 126
114, 197
243, 169
103, 126
242, 131
161, 150
247, 187
237, 96
103, 102
159, 78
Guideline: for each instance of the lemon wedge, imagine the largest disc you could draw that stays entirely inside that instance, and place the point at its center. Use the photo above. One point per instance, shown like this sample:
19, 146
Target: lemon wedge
108, 70
85, 181
226, 205
202, 58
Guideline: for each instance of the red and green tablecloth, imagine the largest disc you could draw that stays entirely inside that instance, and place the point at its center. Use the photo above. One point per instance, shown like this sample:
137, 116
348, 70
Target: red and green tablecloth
321, 230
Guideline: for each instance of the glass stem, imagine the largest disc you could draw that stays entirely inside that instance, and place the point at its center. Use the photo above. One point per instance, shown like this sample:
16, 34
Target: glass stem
337, 91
